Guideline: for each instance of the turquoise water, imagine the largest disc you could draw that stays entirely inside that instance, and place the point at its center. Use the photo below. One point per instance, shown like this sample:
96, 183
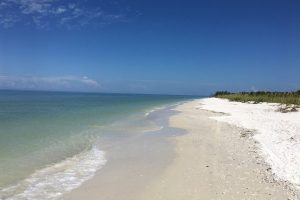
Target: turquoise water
47, 138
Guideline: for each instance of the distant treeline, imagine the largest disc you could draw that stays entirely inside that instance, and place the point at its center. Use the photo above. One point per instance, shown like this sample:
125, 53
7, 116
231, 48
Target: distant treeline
262, 96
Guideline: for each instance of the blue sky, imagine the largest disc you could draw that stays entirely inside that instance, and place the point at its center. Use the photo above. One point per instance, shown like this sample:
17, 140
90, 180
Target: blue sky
150, 46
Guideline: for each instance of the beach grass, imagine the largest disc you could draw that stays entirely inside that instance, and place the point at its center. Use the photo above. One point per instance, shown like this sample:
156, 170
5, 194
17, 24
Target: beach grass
262, 96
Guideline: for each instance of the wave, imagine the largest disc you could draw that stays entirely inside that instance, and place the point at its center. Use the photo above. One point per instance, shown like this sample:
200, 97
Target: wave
55, 180
153, 110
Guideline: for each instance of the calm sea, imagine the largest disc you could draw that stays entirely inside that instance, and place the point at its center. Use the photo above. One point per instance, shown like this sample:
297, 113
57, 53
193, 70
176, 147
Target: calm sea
47, 139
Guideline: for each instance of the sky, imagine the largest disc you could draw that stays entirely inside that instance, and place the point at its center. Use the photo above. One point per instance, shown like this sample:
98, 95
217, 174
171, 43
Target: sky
150, 46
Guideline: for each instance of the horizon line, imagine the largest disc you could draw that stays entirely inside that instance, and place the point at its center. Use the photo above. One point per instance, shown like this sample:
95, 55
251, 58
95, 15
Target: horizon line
90, 92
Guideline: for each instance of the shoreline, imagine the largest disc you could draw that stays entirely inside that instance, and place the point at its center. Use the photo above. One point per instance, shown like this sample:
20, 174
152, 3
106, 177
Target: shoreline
213, 160
82, 149
133, 159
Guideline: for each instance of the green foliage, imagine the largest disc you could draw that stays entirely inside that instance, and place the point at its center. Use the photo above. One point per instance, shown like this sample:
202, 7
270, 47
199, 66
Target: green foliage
262, 96
221, 93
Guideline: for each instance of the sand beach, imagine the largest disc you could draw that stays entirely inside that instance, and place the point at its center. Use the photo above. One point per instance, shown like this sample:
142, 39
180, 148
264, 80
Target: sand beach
212, 159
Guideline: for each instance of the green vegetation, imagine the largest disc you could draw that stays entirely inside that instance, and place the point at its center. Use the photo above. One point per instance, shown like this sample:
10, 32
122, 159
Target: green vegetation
262, 96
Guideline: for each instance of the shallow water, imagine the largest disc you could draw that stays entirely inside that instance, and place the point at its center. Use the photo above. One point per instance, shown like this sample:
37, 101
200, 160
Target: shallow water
48, 139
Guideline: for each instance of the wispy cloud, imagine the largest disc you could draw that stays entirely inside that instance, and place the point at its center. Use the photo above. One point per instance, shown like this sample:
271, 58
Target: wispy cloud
44, 13
48, 82
8, 20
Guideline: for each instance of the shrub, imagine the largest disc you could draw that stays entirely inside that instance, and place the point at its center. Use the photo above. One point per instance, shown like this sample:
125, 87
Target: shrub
262, 96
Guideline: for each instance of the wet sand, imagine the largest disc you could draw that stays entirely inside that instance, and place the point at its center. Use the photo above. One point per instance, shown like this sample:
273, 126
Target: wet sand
134, 160
212, 160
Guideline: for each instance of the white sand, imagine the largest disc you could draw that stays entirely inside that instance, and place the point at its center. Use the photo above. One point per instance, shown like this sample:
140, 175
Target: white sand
211, 161
277, 133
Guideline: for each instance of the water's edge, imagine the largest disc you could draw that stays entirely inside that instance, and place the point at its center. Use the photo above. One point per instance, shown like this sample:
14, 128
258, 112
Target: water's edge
62, 177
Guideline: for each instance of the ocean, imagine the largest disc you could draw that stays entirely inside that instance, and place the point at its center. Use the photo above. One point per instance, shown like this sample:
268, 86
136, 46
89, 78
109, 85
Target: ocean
50, 142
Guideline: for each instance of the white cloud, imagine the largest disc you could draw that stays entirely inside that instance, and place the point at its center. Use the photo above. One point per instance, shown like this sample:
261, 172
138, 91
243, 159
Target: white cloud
8, 20
34, 6
71, 5
60, 10
42, 13
48, 82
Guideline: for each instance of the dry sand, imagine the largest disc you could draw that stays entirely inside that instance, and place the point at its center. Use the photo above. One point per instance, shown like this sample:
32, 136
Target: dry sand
277, 133
213, 160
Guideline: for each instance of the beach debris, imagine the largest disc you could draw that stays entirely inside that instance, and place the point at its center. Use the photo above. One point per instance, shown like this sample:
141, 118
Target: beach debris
246, 133
285, 108
276, 133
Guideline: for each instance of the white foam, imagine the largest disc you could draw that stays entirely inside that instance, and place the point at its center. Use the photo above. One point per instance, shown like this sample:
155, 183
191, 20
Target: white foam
151, 111
53, 181
278, 133
154, 110
148, 113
